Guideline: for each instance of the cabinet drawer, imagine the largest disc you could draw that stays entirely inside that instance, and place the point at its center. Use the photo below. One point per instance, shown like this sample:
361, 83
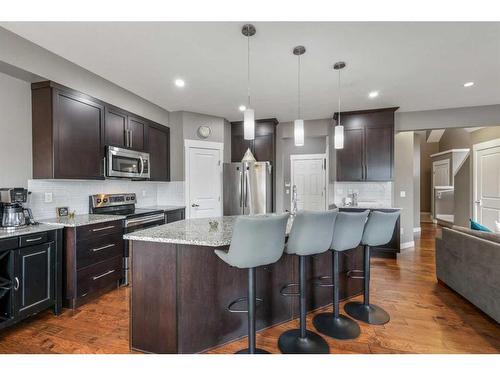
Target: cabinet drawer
8, 244
95, 250
98, 276
100, 229
33, 239
175, 215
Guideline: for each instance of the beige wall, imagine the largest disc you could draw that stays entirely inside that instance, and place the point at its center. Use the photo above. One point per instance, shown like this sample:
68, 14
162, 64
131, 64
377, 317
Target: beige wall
426, 150
15, 132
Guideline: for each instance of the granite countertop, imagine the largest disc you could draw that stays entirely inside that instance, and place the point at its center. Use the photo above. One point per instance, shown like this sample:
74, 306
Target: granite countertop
30, 229
191, 232
165, 208
81, 220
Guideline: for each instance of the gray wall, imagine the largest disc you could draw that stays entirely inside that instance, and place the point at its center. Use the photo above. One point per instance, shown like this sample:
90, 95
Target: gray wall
426, 150
417, 141
315, 132
403, 181
463, 194
464, 117
15, 132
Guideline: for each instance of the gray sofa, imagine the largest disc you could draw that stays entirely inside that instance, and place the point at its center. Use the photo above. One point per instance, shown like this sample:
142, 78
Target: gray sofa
468, 261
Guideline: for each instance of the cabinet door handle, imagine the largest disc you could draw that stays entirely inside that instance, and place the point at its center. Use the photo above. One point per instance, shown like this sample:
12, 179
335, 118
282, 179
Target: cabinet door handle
104, 228
103, 247
34, 239
130, 138
103, 274
16, 287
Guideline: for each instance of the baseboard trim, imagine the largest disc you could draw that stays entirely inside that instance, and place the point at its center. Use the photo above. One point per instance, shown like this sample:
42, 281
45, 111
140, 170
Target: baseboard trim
406, 245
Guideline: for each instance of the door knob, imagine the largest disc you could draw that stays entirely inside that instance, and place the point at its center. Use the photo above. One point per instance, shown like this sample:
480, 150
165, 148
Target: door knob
195, 205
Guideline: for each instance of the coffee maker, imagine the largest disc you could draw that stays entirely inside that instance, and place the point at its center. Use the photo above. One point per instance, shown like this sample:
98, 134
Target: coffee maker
12, 213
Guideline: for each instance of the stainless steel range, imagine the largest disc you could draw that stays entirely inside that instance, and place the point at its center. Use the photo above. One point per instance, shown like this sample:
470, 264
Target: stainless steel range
135, 218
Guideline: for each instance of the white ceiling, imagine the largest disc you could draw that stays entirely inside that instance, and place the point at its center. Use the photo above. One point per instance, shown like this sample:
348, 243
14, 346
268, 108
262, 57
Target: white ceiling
416, 66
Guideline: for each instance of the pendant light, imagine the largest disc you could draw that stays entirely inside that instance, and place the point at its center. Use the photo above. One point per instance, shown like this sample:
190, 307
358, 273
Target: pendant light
298, 125
339, 129
248, 114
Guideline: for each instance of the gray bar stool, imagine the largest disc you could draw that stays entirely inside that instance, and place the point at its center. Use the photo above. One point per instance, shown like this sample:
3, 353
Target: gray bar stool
347, 234
378, 232
311, 234
256, 241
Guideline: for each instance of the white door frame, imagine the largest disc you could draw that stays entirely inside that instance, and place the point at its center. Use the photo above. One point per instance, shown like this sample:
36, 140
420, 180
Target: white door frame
193, 143
309, 157
475, 149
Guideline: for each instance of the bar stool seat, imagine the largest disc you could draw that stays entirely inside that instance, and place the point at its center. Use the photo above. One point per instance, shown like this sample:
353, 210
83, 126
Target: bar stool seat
311, 234
347, 234
256, 241
378, 231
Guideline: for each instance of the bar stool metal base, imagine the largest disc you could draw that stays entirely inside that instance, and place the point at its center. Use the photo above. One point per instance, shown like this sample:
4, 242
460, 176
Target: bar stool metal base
257, 351
290, 342
370, 314
342, 327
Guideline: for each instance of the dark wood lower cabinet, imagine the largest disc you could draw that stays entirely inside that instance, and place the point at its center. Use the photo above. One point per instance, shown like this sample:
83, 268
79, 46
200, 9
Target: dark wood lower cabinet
180, 295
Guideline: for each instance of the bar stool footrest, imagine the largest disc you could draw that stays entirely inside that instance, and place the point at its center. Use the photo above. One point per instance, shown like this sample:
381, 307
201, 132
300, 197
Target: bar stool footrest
356, 274
238, 300
320, 284
289, 294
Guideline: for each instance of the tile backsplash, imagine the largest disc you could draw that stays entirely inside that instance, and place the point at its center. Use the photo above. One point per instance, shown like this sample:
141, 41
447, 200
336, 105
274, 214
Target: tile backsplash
377, 193
75, 194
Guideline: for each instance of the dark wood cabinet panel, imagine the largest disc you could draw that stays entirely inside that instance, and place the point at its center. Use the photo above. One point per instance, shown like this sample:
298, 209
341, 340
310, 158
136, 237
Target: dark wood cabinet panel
159, 152
116, 127
379, 153
137, 129
79, 129
368, 153
175, 215
239, 146
350, 159
264, 147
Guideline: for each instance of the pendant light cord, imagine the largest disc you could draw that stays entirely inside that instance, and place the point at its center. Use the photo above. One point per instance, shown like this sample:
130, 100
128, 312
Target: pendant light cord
248, 70
338, 120
298, 96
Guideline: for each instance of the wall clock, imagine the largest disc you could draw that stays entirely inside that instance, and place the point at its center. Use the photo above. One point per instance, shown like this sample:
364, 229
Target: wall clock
204, 131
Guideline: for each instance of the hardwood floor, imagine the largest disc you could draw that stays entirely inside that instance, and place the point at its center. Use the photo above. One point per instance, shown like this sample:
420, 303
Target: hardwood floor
426, 317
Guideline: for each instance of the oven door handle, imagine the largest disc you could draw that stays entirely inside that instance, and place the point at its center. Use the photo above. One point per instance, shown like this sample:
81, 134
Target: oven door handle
142, 165
144, 220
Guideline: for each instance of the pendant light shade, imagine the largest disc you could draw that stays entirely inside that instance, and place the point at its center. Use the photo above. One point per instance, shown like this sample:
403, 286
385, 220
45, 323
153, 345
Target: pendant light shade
298, 132
248, 114
338, 140
298, 125
249, 124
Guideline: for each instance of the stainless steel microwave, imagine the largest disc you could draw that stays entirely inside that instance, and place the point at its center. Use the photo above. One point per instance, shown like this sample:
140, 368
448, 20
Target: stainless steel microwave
121, 162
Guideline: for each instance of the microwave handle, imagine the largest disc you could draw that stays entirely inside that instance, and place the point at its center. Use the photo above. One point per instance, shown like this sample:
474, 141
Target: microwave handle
142, 166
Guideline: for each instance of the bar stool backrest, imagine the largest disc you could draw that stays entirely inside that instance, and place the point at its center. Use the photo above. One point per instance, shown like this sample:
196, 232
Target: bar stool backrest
257, 240
311, 232
348, 230
379, 228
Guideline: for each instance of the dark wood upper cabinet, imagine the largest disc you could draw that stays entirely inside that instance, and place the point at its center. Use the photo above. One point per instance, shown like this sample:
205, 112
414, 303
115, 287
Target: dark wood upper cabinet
68, 133
137, 129
263, 146
368, 153
159, 152
116, 127
71, 130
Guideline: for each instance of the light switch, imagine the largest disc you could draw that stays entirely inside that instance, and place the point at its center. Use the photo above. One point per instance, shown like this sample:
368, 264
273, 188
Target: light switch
402, 194
48, 197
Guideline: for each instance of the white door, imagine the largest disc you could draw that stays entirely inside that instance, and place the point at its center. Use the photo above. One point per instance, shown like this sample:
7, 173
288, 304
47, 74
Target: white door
308, 174
441, 173
203, 182
487, 186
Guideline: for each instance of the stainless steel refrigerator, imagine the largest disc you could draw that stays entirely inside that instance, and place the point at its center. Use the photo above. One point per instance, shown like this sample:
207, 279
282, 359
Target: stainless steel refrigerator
248, 188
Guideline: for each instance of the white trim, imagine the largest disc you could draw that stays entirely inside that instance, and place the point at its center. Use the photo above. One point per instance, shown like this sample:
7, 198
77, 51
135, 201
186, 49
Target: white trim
476, 148
310, 157
406, 245
193, 143
449, 151
417, 229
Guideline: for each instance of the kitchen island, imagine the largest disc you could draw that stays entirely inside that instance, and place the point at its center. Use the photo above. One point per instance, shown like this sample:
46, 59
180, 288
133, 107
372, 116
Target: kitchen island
181, 289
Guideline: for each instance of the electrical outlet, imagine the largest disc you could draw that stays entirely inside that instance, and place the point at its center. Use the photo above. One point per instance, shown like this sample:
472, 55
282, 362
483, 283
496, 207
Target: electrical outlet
402, 194
48, 197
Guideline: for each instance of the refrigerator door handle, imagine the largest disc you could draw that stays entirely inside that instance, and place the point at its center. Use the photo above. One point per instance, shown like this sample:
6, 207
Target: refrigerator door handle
242, 192
247, 186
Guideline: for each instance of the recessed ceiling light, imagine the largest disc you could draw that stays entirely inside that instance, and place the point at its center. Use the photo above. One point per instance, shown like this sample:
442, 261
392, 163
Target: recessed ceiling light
373, 94
468, 84
242, 108
180, 82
